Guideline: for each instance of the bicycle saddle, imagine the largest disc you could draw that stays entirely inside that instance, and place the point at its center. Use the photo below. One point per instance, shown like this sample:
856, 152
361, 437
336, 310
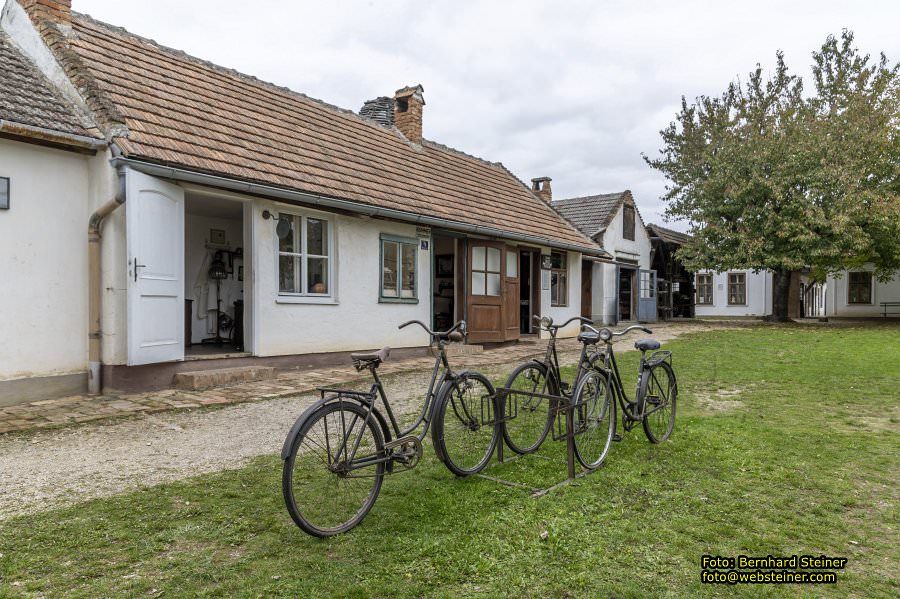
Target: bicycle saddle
646, 344
373, 358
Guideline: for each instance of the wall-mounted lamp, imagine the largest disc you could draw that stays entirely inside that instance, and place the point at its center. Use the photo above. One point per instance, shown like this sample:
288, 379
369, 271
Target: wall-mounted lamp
4, 193
283, 228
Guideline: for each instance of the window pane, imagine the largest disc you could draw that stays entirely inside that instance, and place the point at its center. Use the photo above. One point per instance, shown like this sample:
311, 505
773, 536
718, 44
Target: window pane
478, 286
288, 267
557, 260
316, 237
493, 283
408, 288
512, 263
389, 269
478, 257
317, 276
563, 289
493, 260
287, 243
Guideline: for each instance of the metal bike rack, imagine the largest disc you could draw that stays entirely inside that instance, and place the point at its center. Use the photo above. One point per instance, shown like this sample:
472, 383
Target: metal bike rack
563, 428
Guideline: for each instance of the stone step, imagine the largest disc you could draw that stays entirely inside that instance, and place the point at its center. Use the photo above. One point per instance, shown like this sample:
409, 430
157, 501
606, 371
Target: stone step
206, 379
458, 349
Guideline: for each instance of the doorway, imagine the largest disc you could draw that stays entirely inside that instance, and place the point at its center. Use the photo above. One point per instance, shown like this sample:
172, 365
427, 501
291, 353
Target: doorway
214, 256
445, 305
626, 294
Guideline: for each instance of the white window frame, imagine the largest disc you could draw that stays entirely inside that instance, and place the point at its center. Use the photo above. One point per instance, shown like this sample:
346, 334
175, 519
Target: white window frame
304, 296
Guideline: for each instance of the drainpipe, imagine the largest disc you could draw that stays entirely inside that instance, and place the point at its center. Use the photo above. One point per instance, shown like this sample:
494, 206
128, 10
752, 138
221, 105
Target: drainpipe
95, 286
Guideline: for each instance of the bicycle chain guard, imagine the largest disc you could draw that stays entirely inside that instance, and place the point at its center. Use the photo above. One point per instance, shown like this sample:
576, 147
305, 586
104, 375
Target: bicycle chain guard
409, 454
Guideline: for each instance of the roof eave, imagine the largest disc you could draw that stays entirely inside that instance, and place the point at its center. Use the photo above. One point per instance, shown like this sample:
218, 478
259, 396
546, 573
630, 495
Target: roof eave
292, 195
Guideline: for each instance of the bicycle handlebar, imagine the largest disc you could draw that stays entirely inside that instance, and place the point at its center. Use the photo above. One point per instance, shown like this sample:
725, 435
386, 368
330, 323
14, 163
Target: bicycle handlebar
448, 334
633, 327
549, 321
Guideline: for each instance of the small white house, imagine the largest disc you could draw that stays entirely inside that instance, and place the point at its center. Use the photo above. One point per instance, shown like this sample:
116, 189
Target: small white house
854, 294
624, 289
161, 214
736, 293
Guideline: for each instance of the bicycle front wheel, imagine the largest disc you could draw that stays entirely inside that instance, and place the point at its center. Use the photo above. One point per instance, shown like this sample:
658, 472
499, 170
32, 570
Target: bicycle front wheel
464, 432
332, 476
525, 433
594, 418
659, 391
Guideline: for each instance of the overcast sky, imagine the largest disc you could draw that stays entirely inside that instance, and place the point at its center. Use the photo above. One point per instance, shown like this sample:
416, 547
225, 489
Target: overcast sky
571, 90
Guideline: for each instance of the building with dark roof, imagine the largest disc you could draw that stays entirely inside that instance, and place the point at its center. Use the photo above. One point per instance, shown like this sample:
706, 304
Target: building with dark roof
626, 289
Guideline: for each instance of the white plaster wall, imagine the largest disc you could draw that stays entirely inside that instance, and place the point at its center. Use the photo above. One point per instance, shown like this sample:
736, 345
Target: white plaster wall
598, 276
759, 296
43, 262
560, 314
836, 291
355, 320
605, 285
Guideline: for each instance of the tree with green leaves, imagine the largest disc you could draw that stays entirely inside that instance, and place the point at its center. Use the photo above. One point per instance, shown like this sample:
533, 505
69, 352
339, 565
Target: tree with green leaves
772, 179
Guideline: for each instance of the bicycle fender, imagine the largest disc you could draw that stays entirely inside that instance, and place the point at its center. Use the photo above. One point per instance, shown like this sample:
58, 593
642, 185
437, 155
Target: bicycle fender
295, 430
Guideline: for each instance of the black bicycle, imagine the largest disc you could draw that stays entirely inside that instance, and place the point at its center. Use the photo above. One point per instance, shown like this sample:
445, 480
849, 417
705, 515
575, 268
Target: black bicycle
656, 392
541, 397
339, 450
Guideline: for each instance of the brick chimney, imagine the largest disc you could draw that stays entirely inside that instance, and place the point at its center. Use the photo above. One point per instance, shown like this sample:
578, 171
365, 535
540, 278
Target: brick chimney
41, 11
408, 103
541, 186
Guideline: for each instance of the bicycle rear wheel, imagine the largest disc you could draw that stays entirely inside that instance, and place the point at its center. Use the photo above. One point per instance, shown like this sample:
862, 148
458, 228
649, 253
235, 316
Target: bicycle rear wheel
326, 487
659, 392
462, 439
525, 433
594, 418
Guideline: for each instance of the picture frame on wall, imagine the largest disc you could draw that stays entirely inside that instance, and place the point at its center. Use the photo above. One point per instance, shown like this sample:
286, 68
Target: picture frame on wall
217, 236
444, 265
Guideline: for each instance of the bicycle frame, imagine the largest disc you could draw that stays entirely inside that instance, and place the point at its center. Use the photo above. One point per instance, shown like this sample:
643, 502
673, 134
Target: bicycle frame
441, 373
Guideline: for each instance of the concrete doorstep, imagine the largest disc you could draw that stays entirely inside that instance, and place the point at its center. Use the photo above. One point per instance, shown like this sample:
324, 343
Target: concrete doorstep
207, 379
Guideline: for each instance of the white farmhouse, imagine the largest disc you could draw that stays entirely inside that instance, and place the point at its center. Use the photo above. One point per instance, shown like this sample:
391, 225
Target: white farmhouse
161, 214
624, 289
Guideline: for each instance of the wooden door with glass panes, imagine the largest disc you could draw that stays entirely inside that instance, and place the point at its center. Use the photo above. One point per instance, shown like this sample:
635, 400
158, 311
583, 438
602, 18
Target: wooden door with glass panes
511, 294
485, 296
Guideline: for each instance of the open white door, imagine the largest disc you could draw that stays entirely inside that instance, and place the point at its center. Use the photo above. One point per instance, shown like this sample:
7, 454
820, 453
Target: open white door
155, 232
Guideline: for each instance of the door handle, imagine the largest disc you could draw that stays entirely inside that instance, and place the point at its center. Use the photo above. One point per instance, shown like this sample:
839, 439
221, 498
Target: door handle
136, 267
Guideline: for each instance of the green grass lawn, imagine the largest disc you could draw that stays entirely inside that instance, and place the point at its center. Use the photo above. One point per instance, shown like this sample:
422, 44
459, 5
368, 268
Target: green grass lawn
785, 443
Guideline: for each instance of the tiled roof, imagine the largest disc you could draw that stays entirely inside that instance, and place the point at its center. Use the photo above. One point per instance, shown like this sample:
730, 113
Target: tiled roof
28, 98
181, 111
668, 235
591, 214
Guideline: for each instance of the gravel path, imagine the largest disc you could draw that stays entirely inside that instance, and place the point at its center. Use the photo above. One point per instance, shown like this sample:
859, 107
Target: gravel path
47, 469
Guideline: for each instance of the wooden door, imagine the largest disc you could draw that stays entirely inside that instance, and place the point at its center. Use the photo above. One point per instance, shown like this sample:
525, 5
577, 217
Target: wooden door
587, 281
511, 294
485, 291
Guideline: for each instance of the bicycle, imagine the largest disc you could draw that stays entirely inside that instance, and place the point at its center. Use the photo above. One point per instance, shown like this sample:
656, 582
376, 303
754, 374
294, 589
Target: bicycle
656, 394
540, 396
339, 450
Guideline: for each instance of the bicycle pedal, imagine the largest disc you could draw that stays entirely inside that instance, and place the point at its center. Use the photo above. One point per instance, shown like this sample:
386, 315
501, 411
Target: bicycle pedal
617, 437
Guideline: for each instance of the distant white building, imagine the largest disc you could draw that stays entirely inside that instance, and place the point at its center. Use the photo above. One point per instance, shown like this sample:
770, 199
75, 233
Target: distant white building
856, 293
624, 290
735, 293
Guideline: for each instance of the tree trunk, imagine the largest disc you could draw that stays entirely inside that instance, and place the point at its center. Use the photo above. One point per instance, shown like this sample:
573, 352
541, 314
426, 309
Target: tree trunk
780, 295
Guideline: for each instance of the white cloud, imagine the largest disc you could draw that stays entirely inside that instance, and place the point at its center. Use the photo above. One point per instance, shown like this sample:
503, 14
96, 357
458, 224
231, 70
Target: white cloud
575, 91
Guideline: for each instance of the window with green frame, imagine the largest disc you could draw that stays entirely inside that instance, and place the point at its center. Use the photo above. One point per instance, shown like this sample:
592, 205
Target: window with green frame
399, 263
